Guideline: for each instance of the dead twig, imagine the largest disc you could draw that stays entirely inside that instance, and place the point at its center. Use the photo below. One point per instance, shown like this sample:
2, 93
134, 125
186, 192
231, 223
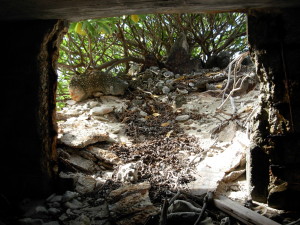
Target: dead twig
164, 213
174, 198
207, 199
151, 95
198, 198
229, 96
295, 222
237, 61
219, 128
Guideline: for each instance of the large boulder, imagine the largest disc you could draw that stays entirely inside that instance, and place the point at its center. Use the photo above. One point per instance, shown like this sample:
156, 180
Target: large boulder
85, 85
220, 60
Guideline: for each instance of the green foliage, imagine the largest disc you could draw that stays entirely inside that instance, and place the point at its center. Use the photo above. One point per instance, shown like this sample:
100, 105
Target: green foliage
90, 44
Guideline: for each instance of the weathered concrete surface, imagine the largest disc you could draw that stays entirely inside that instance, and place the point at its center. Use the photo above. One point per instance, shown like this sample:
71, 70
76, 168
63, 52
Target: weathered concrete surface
274, 43
28, 147
85, 9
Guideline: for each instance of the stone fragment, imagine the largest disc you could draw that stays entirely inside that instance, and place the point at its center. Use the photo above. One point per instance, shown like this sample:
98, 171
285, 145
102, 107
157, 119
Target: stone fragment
128, 172
101, 110
33, 209
72, 112
170, 82
81, 138
81, 220
182, 91
232, 176
93, 104
30, 221
87, 155
154, 68
105, 156
182, 118
41, 210
168, 74
179, 57
74, 204
82, 163
63, 217
180, 100
52, 223
131, 204
69, 195
165, 90
85, 184
210, 87
53, 205
221, 60
68, 176
159, 84
71, 102
99, 212
142, 113
150, 81
54, 198
228, 133
53, 211
277, 197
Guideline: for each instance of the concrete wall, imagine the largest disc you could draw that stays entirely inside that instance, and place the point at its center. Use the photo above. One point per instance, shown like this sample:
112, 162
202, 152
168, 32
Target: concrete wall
275, 157
28, 155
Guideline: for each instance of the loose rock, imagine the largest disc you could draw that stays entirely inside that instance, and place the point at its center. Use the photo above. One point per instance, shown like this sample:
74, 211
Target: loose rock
83, 86
74, 204
165, 90
128, 173
82, 163
81, 138
182, 118
52, 223
85, 184
102, 110
69, 195
105, 156
168, 74
54, 211
137, 201
29, 221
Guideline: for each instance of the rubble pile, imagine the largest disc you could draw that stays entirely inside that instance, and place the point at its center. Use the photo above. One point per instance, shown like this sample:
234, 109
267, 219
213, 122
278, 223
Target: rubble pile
152, 155
162, 162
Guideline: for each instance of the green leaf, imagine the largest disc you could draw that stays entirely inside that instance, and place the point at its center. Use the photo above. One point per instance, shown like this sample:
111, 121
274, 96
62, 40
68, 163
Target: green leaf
91, 30
103, 27
142, 16
72, 27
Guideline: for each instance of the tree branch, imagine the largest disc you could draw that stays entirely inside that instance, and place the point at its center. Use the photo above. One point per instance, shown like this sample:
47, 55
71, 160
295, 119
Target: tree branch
115, 62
